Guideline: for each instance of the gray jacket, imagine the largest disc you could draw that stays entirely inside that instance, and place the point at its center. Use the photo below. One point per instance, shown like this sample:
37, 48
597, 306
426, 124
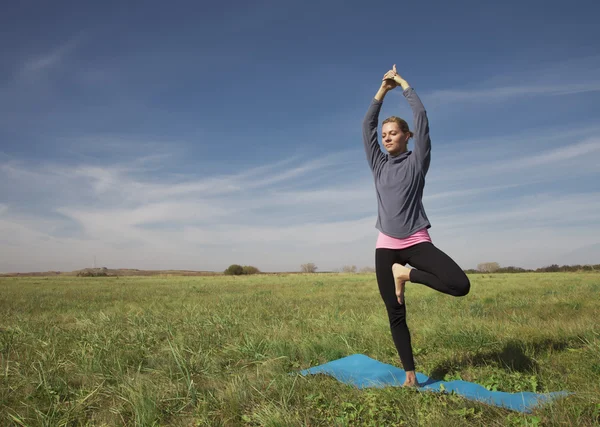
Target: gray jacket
399, 180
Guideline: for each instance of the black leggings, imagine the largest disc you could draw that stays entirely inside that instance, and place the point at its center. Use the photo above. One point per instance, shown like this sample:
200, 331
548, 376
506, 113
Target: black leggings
432, 268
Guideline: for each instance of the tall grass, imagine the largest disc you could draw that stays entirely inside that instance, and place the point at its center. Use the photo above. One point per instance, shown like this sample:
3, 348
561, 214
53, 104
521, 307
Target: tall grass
219, 350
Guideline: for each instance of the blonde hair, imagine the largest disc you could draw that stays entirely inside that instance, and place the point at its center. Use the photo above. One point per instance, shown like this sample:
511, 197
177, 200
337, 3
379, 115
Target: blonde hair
401, 124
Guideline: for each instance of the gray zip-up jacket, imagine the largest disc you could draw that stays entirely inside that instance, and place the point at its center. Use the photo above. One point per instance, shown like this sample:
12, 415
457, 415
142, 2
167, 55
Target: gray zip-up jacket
399, 180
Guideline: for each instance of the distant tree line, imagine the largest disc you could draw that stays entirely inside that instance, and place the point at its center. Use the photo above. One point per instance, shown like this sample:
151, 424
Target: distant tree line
494, 267
484, 267
310, 267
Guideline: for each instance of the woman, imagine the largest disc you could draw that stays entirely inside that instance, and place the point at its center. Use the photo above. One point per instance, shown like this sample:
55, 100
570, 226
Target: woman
402, 223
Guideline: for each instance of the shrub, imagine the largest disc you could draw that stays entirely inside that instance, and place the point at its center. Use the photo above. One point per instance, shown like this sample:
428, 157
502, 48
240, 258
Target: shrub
234, 270
308, 268
93, 272
249, 269
488, 267
238, 270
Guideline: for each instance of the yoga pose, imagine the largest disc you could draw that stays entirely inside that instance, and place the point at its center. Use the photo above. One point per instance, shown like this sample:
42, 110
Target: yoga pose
402, 223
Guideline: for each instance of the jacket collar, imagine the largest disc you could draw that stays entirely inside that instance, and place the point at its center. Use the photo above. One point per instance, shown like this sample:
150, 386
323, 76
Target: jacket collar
399, 158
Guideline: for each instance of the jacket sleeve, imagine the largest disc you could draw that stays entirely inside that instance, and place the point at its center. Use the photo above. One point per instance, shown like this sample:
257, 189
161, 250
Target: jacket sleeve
375, 157
422, 150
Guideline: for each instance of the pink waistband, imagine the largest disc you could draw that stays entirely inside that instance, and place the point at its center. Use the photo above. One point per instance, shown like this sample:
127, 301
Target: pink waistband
385, 241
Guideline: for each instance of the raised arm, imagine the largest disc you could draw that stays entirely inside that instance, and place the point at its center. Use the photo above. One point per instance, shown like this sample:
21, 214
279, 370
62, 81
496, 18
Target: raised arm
422, 151
370, 139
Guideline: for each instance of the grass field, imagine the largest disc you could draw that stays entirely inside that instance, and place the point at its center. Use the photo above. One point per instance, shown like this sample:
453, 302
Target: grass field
213, 351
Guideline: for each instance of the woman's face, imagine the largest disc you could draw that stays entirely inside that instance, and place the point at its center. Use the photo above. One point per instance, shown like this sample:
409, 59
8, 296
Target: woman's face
394, 140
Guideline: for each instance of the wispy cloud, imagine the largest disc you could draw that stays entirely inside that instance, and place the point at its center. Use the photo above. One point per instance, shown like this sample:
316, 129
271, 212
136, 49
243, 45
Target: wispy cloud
441, 195
506, 92
590, 146
588, 149
529, 211
51, 59
564, 77
515, 162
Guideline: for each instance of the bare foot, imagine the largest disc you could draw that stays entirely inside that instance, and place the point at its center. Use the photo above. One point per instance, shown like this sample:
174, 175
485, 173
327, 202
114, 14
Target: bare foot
411, 380
401, 276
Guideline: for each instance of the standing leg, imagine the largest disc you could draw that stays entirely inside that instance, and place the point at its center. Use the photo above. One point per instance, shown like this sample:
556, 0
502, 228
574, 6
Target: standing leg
435, 269
384, 259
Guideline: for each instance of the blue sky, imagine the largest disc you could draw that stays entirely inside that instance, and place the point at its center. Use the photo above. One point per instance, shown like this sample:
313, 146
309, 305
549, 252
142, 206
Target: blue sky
190, 135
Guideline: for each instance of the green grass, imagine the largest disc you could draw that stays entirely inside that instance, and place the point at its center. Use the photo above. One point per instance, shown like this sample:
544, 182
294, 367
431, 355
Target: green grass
218, 350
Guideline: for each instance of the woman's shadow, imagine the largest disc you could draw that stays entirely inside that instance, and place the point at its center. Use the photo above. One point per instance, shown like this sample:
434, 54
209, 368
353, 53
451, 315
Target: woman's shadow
511, 356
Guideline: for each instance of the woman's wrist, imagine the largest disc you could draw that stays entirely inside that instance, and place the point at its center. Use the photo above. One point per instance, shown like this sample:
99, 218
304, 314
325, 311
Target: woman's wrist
402, 83
381, 93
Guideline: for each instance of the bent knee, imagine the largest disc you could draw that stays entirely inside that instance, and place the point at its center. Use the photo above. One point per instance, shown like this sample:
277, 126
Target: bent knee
461, 287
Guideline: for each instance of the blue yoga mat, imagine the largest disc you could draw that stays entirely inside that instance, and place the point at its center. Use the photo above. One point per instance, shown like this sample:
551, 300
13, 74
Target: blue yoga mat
362, 371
